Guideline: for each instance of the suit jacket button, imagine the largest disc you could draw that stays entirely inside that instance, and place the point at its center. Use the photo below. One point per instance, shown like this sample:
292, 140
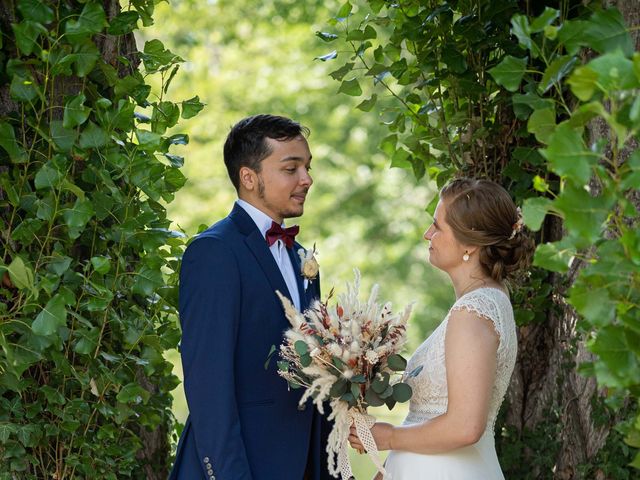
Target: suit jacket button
210, 472
206, 459
212, 477
208, 465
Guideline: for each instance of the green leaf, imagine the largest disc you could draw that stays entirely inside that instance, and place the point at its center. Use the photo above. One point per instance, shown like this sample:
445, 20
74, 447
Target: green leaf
85, 56
9, 143
594, 304
133, 393
79, 214
75, 112
63, 138
148, 140
568, 155
52, 316
554, 256
123, 23
584, 214
556, 72
165, 115
339, 388
572, 34
509, 72
101, 264
23, 89
36, 10
583, 82
402, 392
87, 342
350, 87
344, 12
521, 29
48, 176
367, 105
373, 399
20, 274
615, 72
26, 34
93, 137
396, 362
6, 429
326, 37
542, 123
301, 347
155, 56
607, 32
191, 107
342, 71
534, 210
618, 366
148, 279
91, 21
544, 19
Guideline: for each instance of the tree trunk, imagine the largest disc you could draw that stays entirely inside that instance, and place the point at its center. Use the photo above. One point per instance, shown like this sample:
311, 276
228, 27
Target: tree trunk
156, 449
547, 394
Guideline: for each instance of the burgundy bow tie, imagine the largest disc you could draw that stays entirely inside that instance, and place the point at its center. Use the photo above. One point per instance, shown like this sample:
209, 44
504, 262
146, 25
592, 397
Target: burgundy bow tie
287, 235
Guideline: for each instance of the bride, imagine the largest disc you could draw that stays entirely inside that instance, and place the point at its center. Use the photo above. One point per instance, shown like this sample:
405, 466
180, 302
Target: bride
477, 239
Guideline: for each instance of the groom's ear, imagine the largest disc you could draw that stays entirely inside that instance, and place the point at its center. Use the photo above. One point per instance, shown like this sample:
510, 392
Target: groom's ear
248, 179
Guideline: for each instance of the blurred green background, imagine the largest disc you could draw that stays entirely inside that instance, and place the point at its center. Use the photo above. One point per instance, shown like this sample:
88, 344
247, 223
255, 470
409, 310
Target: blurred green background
245, 57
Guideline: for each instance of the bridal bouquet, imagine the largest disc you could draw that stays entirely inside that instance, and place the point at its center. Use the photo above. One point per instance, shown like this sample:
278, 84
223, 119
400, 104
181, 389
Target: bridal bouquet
346, 354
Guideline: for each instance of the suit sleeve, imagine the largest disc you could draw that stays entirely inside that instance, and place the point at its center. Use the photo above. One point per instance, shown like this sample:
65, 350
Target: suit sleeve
210, 300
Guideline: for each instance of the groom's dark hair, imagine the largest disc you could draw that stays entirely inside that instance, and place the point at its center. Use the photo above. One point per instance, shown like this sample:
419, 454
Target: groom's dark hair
246, 146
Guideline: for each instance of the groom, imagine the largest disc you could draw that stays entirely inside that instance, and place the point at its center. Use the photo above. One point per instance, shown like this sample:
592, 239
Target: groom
244, 423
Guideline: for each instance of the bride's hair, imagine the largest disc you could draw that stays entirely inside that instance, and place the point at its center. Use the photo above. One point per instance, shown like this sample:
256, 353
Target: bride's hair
482, 213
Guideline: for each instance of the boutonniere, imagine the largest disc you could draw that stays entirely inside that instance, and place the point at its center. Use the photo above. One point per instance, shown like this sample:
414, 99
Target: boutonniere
308, 264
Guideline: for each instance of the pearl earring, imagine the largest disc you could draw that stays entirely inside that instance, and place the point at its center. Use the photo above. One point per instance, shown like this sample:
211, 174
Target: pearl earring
465, 257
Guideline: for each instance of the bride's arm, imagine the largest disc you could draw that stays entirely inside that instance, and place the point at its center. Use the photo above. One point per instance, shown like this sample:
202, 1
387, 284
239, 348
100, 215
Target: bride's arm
471, 344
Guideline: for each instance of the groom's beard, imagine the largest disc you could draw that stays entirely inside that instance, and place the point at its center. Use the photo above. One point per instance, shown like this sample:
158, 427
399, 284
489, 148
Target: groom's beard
287, 213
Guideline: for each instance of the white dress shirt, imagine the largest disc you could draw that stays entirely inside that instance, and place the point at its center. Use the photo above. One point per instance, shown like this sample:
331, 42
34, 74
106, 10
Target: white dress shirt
278, 249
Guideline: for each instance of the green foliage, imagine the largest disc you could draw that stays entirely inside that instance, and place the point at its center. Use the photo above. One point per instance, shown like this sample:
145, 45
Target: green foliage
88, 267
459, 96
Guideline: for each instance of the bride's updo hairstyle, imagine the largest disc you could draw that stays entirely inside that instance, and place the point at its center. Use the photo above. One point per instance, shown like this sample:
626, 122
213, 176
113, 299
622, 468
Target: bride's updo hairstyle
482, 213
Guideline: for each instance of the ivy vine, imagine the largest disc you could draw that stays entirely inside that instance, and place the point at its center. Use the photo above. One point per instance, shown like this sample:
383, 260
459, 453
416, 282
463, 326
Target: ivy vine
88, 267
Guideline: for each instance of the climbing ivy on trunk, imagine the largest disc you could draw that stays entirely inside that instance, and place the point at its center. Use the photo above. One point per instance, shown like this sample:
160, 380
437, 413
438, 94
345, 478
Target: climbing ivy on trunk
88, 294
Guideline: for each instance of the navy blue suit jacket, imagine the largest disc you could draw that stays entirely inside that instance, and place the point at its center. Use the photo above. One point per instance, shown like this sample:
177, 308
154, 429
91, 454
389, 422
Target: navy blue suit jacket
244, 423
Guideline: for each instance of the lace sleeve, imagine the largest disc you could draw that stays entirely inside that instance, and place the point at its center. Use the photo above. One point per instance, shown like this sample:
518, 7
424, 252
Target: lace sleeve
481, 303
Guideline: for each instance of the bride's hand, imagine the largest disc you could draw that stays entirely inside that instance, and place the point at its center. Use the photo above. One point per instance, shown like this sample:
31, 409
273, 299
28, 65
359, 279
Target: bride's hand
381, 434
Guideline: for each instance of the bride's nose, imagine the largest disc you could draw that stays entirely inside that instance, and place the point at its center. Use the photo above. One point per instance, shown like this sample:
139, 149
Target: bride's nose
427, 234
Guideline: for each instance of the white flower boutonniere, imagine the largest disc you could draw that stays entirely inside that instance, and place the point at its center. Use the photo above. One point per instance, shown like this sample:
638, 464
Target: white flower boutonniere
308, 264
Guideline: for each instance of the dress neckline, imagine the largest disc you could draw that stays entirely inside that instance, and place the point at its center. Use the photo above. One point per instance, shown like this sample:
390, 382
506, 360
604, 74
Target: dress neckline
484, 288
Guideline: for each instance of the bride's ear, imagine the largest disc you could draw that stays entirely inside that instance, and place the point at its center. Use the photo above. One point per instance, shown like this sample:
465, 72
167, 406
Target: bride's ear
470, 251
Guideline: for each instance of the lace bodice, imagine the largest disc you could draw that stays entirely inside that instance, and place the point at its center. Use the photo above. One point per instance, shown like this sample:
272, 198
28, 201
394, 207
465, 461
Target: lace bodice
430, 396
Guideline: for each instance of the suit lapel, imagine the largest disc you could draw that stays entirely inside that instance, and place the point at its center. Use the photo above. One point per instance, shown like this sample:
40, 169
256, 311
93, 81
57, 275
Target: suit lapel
260, 250
297, 271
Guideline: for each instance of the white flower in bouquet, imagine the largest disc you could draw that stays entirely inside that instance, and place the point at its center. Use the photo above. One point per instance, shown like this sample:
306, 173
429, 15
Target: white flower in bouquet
346, 354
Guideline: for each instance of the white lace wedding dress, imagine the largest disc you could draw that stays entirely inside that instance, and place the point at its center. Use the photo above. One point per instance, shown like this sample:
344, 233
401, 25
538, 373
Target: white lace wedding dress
478, 461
